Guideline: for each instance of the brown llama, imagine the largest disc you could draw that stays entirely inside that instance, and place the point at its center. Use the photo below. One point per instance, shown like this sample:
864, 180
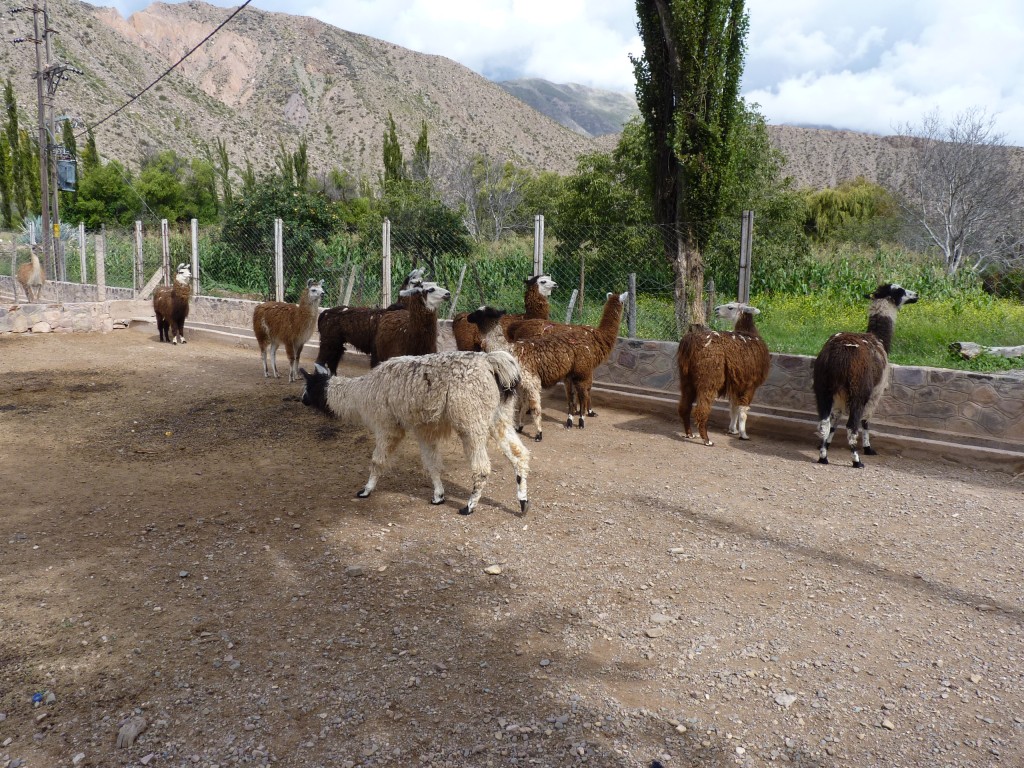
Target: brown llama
535, 302
278, 322
851, 373
170, 305
31, 278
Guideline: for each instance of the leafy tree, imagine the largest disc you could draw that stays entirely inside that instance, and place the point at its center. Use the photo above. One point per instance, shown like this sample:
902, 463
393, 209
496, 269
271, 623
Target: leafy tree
218, 158
68, 140
90, 157
421, 156
855, 211
20, 183
6, 182
688, 92
159, 185
200, 187
300, 162
29, 158
394, 163
285, 161
105, 196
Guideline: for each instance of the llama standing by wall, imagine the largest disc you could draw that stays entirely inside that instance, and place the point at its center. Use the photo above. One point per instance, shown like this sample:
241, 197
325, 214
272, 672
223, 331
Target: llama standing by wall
31, 277
714, 364
851, 373
278, 322
170, 305
535, 302
356, 326
413, 330
570, 357
470, 394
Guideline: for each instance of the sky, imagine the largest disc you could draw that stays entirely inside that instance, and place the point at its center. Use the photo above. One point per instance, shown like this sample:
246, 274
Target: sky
872, 65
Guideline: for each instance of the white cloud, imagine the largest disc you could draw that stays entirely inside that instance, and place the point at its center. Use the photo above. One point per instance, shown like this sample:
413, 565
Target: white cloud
868, 65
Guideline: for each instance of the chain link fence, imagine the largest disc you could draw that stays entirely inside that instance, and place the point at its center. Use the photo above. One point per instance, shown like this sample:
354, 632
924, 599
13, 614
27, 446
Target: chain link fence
586, 262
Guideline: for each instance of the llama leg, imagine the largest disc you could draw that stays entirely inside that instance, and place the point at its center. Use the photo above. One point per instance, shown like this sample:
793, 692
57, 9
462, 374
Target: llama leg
432, 462
743, 409
293, 367
570, 400
475, 449
865, 441
702, 412
734, 418
273, 359
385, 444
510, 444
685, 408
853, 436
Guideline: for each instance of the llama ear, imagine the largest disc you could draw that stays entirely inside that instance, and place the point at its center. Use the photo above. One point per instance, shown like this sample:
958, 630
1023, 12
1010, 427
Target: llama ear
321, 369
623, 297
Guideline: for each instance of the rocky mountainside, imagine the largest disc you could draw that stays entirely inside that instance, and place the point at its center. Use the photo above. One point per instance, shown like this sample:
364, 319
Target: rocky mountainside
588, 111
267, 78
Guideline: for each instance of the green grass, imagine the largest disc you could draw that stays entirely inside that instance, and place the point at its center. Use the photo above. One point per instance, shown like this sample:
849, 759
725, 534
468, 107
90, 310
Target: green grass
924, 331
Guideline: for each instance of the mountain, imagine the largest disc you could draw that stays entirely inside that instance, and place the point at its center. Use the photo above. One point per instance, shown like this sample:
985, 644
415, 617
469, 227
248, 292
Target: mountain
588, 111
271, 78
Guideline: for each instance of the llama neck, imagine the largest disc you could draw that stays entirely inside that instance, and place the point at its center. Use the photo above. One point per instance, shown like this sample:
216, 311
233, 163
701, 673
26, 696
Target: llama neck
494, 339
182, 288
536, 304
882, 321
745, 324
421, 317
611, 318
346, 398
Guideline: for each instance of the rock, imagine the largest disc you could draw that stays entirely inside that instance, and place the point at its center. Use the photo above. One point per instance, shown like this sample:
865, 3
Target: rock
785, 700
78, 758
354, 570
655, 632
130, 731
661, 618
492, 570
888, 724
545, 662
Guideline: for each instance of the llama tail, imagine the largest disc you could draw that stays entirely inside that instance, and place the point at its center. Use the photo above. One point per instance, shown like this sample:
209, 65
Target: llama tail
506, 372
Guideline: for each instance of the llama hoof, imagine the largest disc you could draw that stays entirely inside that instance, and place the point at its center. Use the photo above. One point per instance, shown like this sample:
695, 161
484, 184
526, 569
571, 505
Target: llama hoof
519, 429
524, 506
580, 425
823, 460
709, 443
732, 432
688, 436
869, 451
591, 414
437, 501
568, 423
858, 465
466, 510
743, 436
363, 494
539, 437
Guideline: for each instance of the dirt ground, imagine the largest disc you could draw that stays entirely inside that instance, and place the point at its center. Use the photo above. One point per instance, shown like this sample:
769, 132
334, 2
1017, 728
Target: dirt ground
180, 542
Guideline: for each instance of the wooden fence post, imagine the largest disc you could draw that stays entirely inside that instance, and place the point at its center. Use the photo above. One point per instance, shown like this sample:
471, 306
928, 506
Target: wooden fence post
195, 257
538, 244
279, 259
138, 279
83, 263
386, 265
746, 246
101, 264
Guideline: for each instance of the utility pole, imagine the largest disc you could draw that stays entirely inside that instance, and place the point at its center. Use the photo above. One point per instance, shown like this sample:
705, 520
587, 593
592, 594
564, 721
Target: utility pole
52, 75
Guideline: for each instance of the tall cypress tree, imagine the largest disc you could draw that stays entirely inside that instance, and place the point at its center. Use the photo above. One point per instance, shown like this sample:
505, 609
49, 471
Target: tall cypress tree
6, 181
687, 87
394, 163
18, 180
421, 156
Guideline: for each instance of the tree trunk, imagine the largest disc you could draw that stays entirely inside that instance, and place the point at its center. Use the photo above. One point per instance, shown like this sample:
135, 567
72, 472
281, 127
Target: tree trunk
688, 270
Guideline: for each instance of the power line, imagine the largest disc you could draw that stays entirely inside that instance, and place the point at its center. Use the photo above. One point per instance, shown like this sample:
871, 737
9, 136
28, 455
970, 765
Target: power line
166, 73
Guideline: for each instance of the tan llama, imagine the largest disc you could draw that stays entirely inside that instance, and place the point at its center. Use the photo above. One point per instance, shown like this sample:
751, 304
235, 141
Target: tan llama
31, 278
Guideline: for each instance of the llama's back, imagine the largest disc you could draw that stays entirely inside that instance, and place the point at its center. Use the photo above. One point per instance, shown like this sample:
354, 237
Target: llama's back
850, 365
700, 357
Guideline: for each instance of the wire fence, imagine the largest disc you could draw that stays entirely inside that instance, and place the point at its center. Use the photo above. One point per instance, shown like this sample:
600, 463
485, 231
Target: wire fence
587, 263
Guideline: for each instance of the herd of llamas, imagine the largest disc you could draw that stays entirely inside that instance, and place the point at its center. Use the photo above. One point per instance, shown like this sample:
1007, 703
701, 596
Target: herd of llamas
490, 387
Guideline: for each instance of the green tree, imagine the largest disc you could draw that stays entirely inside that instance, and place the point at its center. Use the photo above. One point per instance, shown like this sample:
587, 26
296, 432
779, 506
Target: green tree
29, 158
90, 157
300, 162
421, 156
688, 82
855, 211
105, 196
71, 146
6, 181
394, 163
200, 186
19, 182
218, 158
160, 185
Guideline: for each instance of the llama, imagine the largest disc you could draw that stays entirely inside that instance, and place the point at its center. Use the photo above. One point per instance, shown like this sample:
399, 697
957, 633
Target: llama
31, 278
356, 326
851, 373
278, 322
412, 330
569, 356
170, 305
714, 364
535, 302
470, 394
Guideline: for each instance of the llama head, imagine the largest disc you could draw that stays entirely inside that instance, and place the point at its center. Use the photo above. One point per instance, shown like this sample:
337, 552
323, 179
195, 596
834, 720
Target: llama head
433, 294
894, 293
734, 309
621, 298
184, 273
545, 285
485, 318
315, 289
414, 278
314, 394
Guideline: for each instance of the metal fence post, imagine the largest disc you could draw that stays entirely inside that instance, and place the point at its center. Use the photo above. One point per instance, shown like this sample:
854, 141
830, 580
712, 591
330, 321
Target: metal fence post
631, 316
279, 259
572, 303
746, 246
139, 279
101, 264
81, 254
458, 290
165, 250
195, 257
538, 244
386, 265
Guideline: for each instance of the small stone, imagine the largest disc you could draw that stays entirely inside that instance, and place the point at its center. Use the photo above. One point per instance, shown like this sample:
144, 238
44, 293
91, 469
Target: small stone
677, 550
888, 724
545, 662
148, 758
975, 678
655, 632
785, 700
661, 618
492, 570
680, 728
354, 570
78, 758
183, 574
